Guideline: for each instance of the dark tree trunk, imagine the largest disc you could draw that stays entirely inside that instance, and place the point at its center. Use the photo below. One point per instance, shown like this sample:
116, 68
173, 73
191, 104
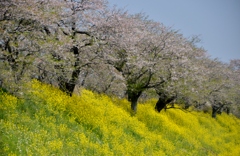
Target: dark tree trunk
160, 104
133, 98
187, 103
186, 106
134, 104
214, 111
163, 101
68, 86
228, 110
73, 82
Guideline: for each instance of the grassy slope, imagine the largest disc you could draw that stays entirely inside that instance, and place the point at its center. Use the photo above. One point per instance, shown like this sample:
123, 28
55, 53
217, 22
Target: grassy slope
48, 122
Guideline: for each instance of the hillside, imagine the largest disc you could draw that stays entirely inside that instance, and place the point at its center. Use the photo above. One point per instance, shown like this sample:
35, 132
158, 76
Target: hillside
48, 122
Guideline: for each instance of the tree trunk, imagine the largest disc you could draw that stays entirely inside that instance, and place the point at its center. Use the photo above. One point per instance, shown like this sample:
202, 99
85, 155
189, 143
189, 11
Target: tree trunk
133, 98
214, 111
134, 104
186, 103
163, 101
228, 110
68, 86
160, 104
217, 110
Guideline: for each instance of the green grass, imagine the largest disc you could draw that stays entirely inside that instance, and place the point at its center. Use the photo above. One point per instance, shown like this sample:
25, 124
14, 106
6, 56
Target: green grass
48, 122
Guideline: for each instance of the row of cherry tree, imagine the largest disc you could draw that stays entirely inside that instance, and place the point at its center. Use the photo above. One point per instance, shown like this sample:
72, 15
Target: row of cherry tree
72, 43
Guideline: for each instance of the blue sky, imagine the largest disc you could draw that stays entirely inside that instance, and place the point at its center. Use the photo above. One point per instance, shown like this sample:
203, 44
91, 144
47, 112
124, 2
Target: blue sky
217, 22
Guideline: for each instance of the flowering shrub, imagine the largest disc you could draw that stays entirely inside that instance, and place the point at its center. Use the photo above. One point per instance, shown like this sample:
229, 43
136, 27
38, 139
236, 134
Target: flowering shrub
48, 122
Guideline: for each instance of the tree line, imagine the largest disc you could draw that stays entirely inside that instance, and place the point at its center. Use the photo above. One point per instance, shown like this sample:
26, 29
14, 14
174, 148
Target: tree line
86, 43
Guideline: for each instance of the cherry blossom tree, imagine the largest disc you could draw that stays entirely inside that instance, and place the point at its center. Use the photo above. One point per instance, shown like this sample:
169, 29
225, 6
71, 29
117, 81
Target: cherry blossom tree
178, 71
235, 88
215, 85
133, 47
54, 35
71, 43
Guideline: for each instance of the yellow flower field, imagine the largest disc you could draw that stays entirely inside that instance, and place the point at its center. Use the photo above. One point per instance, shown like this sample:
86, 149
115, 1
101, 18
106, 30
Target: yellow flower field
48, 122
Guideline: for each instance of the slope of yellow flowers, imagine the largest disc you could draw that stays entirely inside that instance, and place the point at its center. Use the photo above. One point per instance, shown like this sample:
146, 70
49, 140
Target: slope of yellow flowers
48, 122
